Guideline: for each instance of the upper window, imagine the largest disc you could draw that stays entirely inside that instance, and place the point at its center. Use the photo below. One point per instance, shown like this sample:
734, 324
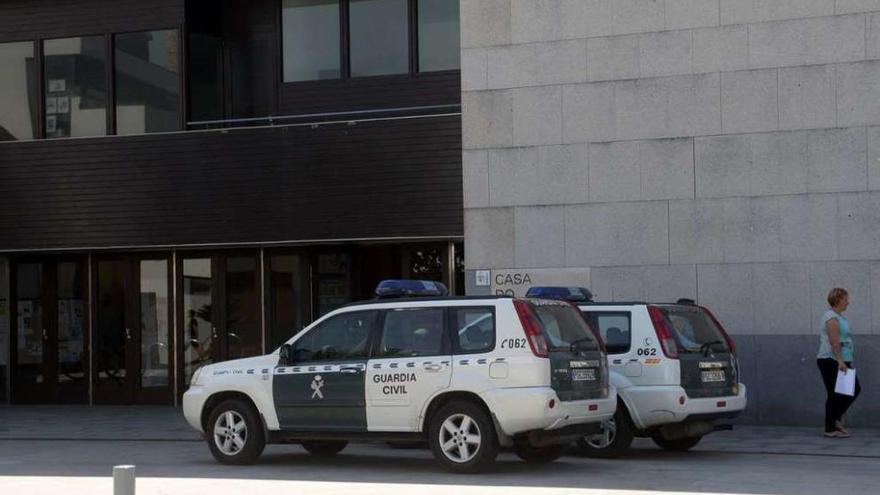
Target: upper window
615, 329
147, 82
374, 40
75, 80
18, 98
475, 330
310, 32
379, 37
412, 332
438, 35
341, 337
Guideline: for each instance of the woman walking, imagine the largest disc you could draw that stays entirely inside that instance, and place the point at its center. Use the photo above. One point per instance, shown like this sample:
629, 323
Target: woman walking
836, 354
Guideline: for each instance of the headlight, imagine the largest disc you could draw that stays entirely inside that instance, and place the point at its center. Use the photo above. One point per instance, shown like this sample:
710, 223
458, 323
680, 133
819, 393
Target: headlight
196, 377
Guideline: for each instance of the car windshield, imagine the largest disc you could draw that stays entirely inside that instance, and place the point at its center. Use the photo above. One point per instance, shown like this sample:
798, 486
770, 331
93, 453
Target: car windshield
695, 330
564, 327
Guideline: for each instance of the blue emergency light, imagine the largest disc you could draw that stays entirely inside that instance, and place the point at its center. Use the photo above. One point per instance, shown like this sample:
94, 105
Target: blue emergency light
573, 294
410, 288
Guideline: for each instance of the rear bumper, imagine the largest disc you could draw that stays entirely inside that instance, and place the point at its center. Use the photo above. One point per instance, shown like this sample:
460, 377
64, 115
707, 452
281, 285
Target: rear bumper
655, 406
520, 410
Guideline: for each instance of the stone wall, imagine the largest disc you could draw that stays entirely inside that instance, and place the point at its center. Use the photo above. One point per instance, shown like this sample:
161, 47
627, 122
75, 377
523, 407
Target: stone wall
718, 149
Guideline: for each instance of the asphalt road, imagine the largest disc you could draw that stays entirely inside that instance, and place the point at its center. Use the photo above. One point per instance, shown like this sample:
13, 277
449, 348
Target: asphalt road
186, 468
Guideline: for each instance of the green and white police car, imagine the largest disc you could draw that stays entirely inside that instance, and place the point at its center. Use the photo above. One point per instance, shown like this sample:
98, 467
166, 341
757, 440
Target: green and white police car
468, 375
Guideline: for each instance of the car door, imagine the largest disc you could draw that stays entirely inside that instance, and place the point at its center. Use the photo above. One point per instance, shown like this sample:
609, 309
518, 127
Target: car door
323, 388
411, 362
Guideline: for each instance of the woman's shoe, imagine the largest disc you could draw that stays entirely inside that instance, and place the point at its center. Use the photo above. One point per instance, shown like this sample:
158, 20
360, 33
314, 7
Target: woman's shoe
836, 434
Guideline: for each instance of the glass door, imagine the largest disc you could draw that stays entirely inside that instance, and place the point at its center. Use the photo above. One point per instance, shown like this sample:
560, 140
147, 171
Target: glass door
30, 373
115, 352
219, 308
155, 343
71, 331
50, 338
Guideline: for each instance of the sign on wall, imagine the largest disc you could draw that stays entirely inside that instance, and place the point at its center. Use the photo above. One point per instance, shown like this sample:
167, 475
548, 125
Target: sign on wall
517, 281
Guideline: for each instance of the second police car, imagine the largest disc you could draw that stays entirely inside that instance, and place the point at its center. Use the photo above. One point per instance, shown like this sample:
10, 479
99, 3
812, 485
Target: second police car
467, 375
673, 365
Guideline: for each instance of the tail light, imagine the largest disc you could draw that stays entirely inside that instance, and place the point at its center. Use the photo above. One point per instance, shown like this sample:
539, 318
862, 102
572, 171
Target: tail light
730, 342
532, 328
664, 333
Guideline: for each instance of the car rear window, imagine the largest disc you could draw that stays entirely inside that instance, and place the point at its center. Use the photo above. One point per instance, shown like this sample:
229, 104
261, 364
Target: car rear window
694, 329
564, 326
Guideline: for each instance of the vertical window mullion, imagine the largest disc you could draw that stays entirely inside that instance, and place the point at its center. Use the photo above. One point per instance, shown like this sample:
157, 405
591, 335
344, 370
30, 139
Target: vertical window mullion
40, 124
111, 84
345, 39
413, 36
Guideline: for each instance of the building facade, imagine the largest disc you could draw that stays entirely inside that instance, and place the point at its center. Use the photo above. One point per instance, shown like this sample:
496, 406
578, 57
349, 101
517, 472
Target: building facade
722, 150
186, 181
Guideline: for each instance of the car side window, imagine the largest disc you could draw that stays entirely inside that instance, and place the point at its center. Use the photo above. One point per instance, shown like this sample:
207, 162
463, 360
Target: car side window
615, 328
474, 330
341, 337
412, 332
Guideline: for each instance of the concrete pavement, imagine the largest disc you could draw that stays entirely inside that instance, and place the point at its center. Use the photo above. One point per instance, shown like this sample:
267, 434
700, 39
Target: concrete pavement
68, 450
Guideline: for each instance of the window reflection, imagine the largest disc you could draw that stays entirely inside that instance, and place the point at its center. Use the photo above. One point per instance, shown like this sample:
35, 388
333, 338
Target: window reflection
379, 37
154, 323
198, 329
75, 84
71, 323
147, 82
438, 35
311, 39
17, 96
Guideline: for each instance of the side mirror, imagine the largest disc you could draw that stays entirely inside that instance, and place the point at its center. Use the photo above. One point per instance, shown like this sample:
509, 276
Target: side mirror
285, 354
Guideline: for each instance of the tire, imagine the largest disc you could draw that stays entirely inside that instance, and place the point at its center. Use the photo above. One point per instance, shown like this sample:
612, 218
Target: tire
538, 455
240, 442
615, 438
677, 445
462, 438
324, 448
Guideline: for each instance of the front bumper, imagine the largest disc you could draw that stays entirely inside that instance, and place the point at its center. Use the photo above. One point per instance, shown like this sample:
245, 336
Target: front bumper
520, 410
193, 403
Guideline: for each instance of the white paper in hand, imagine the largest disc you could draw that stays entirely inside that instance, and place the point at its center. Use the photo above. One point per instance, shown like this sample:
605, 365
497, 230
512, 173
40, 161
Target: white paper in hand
846, 382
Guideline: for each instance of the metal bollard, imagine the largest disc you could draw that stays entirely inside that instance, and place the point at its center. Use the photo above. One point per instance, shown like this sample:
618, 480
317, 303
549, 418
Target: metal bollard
123, 480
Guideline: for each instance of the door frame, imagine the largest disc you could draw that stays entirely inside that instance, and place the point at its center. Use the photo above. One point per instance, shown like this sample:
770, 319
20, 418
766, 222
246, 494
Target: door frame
100, 395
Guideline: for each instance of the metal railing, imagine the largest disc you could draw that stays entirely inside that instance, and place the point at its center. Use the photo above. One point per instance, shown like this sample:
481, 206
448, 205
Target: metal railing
326, 118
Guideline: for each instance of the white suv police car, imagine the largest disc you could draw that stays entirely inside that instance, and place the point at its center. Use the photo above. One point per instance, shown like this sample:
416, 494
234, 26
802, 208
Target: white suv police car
467, 375
674, 368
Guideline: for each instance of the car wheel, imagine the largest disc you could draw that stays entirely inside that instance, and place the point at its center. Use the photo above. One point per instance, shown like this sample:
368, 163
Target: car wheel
324, 448
462, 437
678, 444
614, 438
538, 455
235, 432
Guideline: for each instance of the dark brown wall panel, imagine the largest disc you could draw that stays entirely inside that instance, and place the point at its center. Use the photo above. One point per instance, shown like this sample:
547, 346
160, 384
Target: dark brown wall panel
368, 180
31, 19
369, 93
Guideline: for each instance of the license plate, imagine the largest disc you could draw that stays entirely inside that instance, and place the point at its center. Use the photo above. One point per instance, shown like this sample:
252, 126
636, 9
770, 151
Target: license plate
583, 375
712, 376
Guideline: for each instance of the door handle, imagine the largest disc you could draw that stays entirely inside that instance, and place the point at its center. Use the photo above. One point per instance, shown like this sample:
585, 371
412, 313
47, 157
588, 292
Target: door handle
433, 367
214, 332
45, 334
128, 334
350, 370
